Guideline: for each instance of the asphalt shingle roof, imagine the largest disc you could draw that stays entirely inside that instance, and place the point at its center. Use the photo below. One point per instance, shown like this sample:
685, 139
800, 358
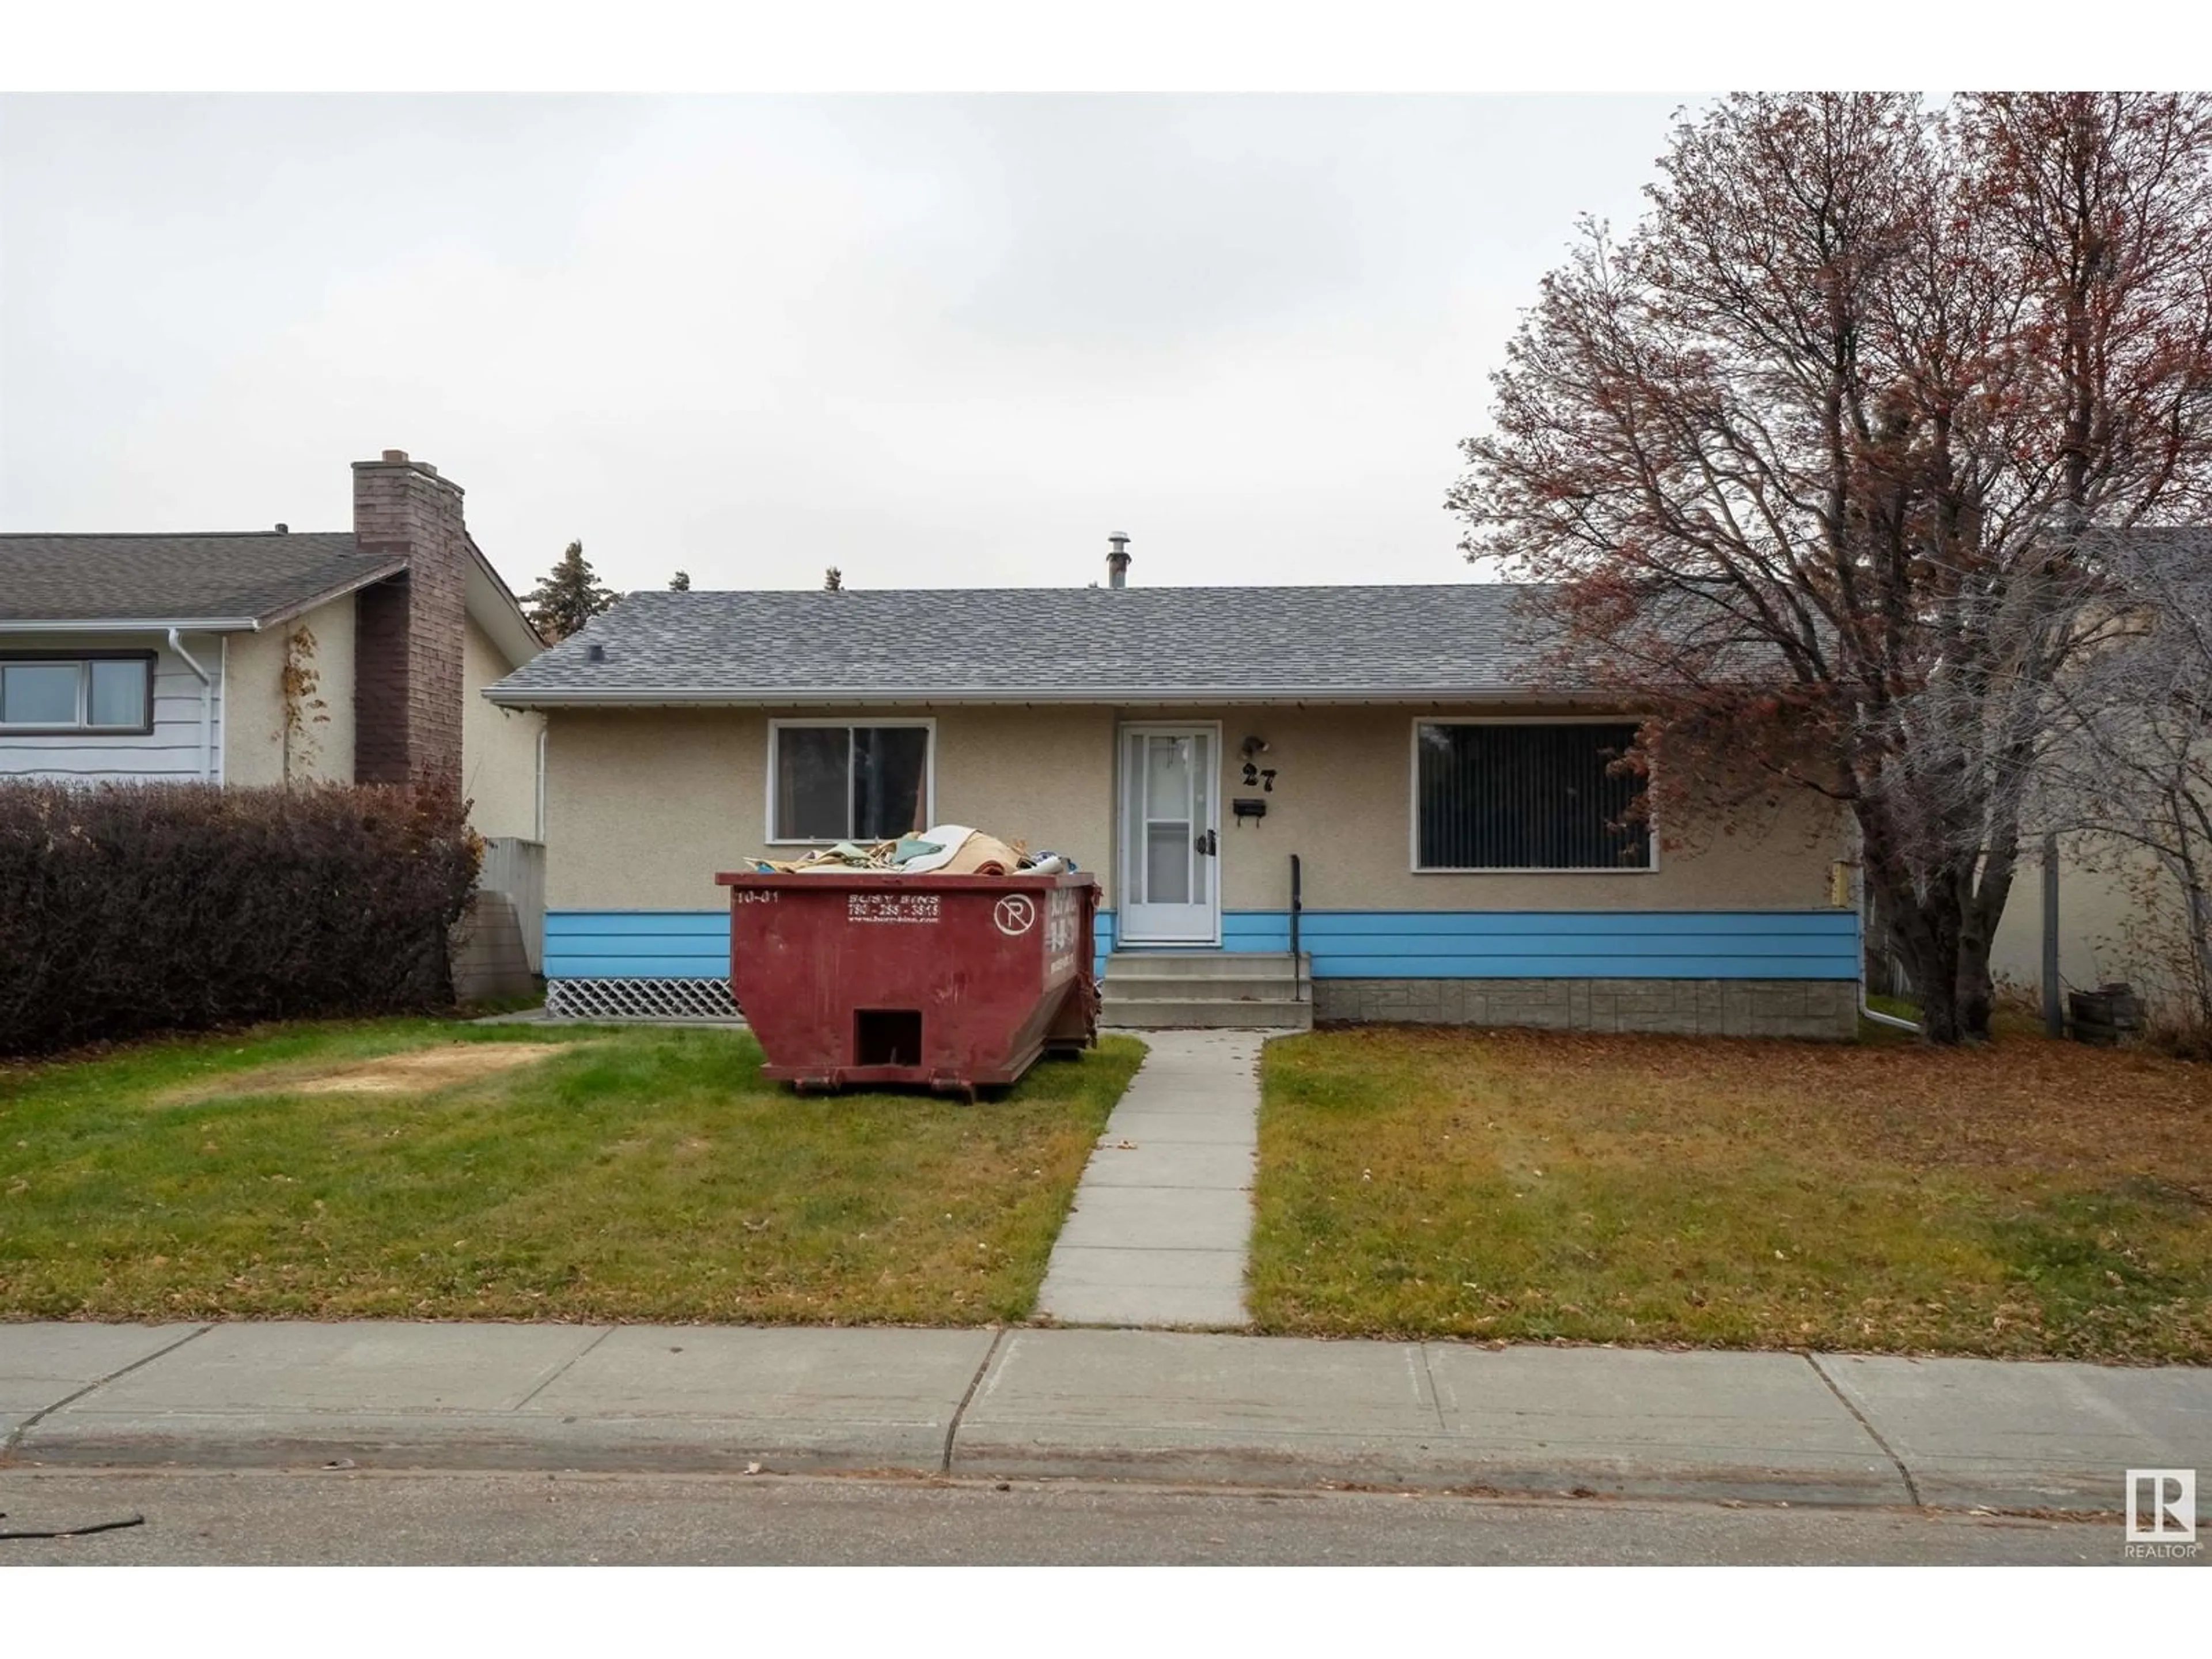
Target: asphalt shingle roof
164, 577
950, 643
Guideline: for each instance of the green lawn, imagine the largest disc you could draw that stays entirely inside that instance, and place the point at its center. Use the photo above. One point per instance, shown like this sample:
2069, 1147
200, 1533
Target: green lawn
625, 1173
2029, 1198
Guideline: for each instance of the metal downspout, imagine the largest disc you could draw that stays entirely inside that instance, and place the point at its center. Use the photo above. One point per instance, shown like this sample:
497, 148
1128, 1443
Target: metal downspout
1850, 879
207, 707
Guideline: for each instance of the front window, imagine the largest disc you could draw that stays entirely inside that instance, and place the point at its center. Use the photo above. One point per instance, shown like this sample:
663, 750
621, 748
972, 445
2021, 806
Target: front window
837, 782
80, 694
1527, 796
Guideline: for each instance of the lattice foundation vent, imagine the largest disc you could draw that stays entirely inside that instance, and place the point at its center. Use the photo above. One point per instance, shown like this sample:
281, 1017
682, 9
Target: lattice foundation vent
639, 999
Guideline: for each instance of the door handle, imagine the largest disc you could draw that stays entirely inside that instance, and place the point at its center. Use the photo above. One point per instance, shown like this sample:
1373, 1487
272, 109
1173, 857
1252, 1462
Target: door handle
1207, 843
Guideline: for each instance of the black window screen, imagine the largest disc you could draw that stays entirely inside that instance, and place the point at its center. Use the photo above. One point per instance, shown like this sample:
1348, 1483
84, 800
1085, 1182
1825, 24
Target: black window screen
850, 782
1528, 798
890, 772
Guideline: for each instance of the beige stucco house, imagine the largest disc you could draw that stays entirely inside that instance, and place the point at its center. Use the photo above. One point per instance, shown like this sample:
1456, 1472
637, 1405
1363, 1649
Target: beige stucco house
273, 656
2121, 911
1462, 849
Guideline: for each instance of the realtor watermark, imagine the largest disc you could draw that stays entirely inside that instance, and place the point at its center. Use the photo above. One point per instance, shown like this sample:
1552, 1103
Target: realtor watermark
2161, 1512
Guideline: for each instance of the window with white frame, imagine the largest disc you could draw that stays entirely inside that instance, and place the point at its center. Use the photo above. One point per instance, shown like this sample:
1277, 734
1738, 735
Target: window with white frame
1527, 795
113, 692
829, 780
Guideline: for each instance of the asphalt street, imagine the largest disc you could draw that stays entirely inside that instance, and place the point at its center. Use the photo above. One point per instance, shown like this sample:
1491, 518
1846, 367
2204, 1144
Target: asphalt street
363, 1517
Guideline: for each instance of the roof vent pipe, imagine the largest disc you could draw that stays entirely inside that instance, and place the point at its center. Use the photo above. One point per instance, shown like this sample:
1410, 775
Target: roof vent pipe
1117, 561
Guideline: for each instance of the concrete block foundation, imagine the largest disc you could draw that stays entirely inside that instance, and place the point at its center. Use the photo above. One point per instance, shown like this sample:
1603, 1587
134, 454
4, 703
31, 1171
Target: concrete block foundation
1816, 1008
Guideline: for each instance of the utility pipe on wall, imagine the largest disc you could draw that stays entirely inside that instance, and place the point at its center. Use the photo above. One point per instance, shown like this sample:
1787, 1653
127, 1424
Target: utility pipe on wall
1844, 889
2054, 1012
207, 707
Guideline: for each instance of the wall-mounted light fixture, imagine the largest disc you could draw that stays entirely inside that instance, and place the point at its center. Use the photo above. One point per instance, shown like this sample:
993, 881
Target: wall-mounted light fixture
1251, 750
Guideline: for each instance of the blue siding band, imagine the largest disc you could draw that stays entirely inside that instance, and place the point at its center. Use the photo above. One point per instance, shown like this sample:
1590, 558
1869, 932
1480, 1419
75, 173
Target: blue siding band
1607, 924
1343, 944
586, 967
1410, 967
624, 924
637, 943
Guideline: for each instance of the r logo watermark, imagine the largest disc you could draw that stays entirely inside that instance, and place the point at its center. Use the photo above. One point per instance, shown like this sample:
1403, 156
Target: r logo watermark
2161, 1511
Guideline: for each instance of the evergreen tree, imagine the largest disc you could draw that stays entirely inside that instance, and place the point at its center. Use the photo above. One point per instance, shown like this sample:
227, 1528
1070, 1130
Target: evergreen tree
833, 579
680, 582
568, 596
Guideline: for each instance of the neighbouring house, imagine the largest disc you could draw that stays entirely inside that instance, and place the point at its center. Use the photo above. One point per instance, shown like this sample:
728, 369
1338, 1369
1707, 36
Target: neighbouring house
1374, 772
2120, 910
274, 657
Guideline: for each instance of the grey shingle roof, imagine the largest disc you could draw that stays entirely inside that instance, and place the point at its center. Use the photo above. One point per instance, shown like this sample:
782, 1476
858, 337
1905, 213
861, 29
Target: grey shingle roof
155, 578
1026, 644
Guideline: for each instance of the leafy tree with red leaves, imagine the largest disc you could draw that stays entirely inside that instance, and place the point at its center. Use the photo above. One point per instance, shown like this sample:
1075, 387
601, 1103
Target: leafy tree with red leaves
1816, 463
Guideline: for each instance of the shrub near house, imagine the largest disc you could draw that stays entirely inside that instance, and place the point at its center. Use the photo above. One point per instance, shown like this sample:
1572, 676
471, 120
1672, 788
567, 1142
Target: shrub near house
128, 909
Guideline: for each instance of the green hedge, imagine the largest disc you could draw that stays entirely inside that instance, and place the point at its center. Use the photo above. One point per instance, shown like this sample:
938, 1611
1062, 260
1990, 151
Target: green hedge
129, 909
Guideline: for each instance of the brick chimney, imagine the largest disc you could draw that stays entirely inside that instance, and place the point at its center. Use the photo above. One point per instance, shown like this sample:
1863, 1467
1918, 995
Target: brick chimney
409, 628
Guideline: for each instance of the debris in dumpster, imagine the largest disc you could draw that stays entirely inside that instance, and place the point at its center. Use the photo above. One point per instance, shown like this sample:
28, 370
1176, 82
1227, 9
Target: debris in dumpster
948, 849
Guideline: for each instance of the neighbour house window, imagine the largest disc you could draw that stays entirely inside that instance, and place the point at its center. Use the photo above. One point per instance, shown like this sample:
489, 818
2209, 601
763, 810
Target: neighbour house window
838, 782
81, 694
1514, 795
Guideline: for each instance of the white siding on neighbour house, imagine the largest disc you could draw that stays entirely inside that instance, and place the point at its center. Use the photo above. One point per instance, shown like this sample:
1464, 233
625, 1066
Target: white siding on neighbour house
175, 750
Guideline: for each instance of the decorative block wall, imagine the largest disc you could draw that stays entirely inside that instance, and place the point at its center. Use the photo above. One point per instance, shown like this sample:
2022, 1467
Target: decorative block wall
1693, 1007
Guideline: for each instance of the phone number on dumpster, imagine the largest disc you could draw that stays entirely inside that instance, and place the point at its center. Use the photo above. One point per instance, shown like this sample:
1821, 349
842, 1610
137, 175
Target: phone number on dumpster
923, 907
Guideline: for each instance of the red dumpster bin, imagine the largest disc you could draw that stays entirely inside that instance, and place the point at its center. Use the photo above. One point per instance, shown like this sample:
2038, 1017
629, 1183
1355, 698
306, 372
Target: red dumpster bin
956, 983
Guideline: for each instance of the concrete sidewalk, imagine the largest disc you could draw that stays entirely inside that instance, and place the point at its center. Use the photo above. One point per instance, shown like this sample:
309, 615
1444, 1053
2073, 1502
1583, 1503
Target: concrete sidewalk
1162, 1221
1145, 1405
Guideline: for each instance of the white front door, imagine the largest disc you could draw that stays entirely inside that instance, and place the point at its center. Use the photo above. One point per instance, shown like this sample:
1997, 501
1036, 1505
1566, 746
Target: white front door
1170, 836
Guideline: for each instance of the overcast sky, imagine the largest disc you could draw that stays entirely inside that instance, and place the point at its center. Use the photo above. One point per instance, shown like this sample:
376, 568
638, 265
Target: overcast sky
931, 340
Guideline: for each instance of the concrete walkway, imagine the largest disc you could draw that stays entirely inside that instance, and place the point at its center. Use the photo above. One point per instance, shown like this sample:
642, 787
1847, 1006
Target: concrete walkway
1140, 1405
1162, 1219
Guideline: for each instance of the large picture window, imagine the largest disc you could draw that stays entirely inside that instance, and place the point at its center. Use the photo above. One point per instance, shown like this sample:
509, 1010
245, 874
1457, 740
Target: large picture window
839, 782
111, 693
1526, 796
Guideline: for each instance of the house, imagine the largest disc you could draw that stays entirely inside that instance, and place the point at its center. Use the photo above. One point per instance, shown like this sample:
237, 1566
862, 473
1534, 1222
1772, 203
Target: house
268, 657
1373, 771
2121, 912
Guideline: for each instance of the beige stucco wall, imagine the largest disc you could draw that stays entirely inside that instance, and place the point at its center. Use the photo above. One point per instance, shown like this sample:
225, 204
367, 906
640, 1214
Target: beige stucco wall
499, 746
643, 806
2101, 924
1343, 802
253, 738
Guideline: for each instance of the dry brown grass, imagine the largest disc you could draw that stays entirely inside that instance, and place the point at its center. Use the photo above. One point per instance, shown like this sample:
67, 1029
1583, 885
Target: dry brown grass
2030, 1198
415, 1071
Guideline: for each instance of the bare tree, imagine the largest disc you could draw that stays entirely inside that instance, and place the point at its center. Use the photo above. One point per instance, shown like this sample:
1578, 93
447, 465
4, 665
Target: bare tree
1807, 463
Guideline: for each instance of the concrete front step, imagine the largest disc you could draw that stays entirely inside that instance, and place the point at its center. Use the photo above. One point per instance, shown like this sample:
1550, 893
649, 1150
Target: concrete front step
1167, 1013
1159, 990
1204, 964
1211, 988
